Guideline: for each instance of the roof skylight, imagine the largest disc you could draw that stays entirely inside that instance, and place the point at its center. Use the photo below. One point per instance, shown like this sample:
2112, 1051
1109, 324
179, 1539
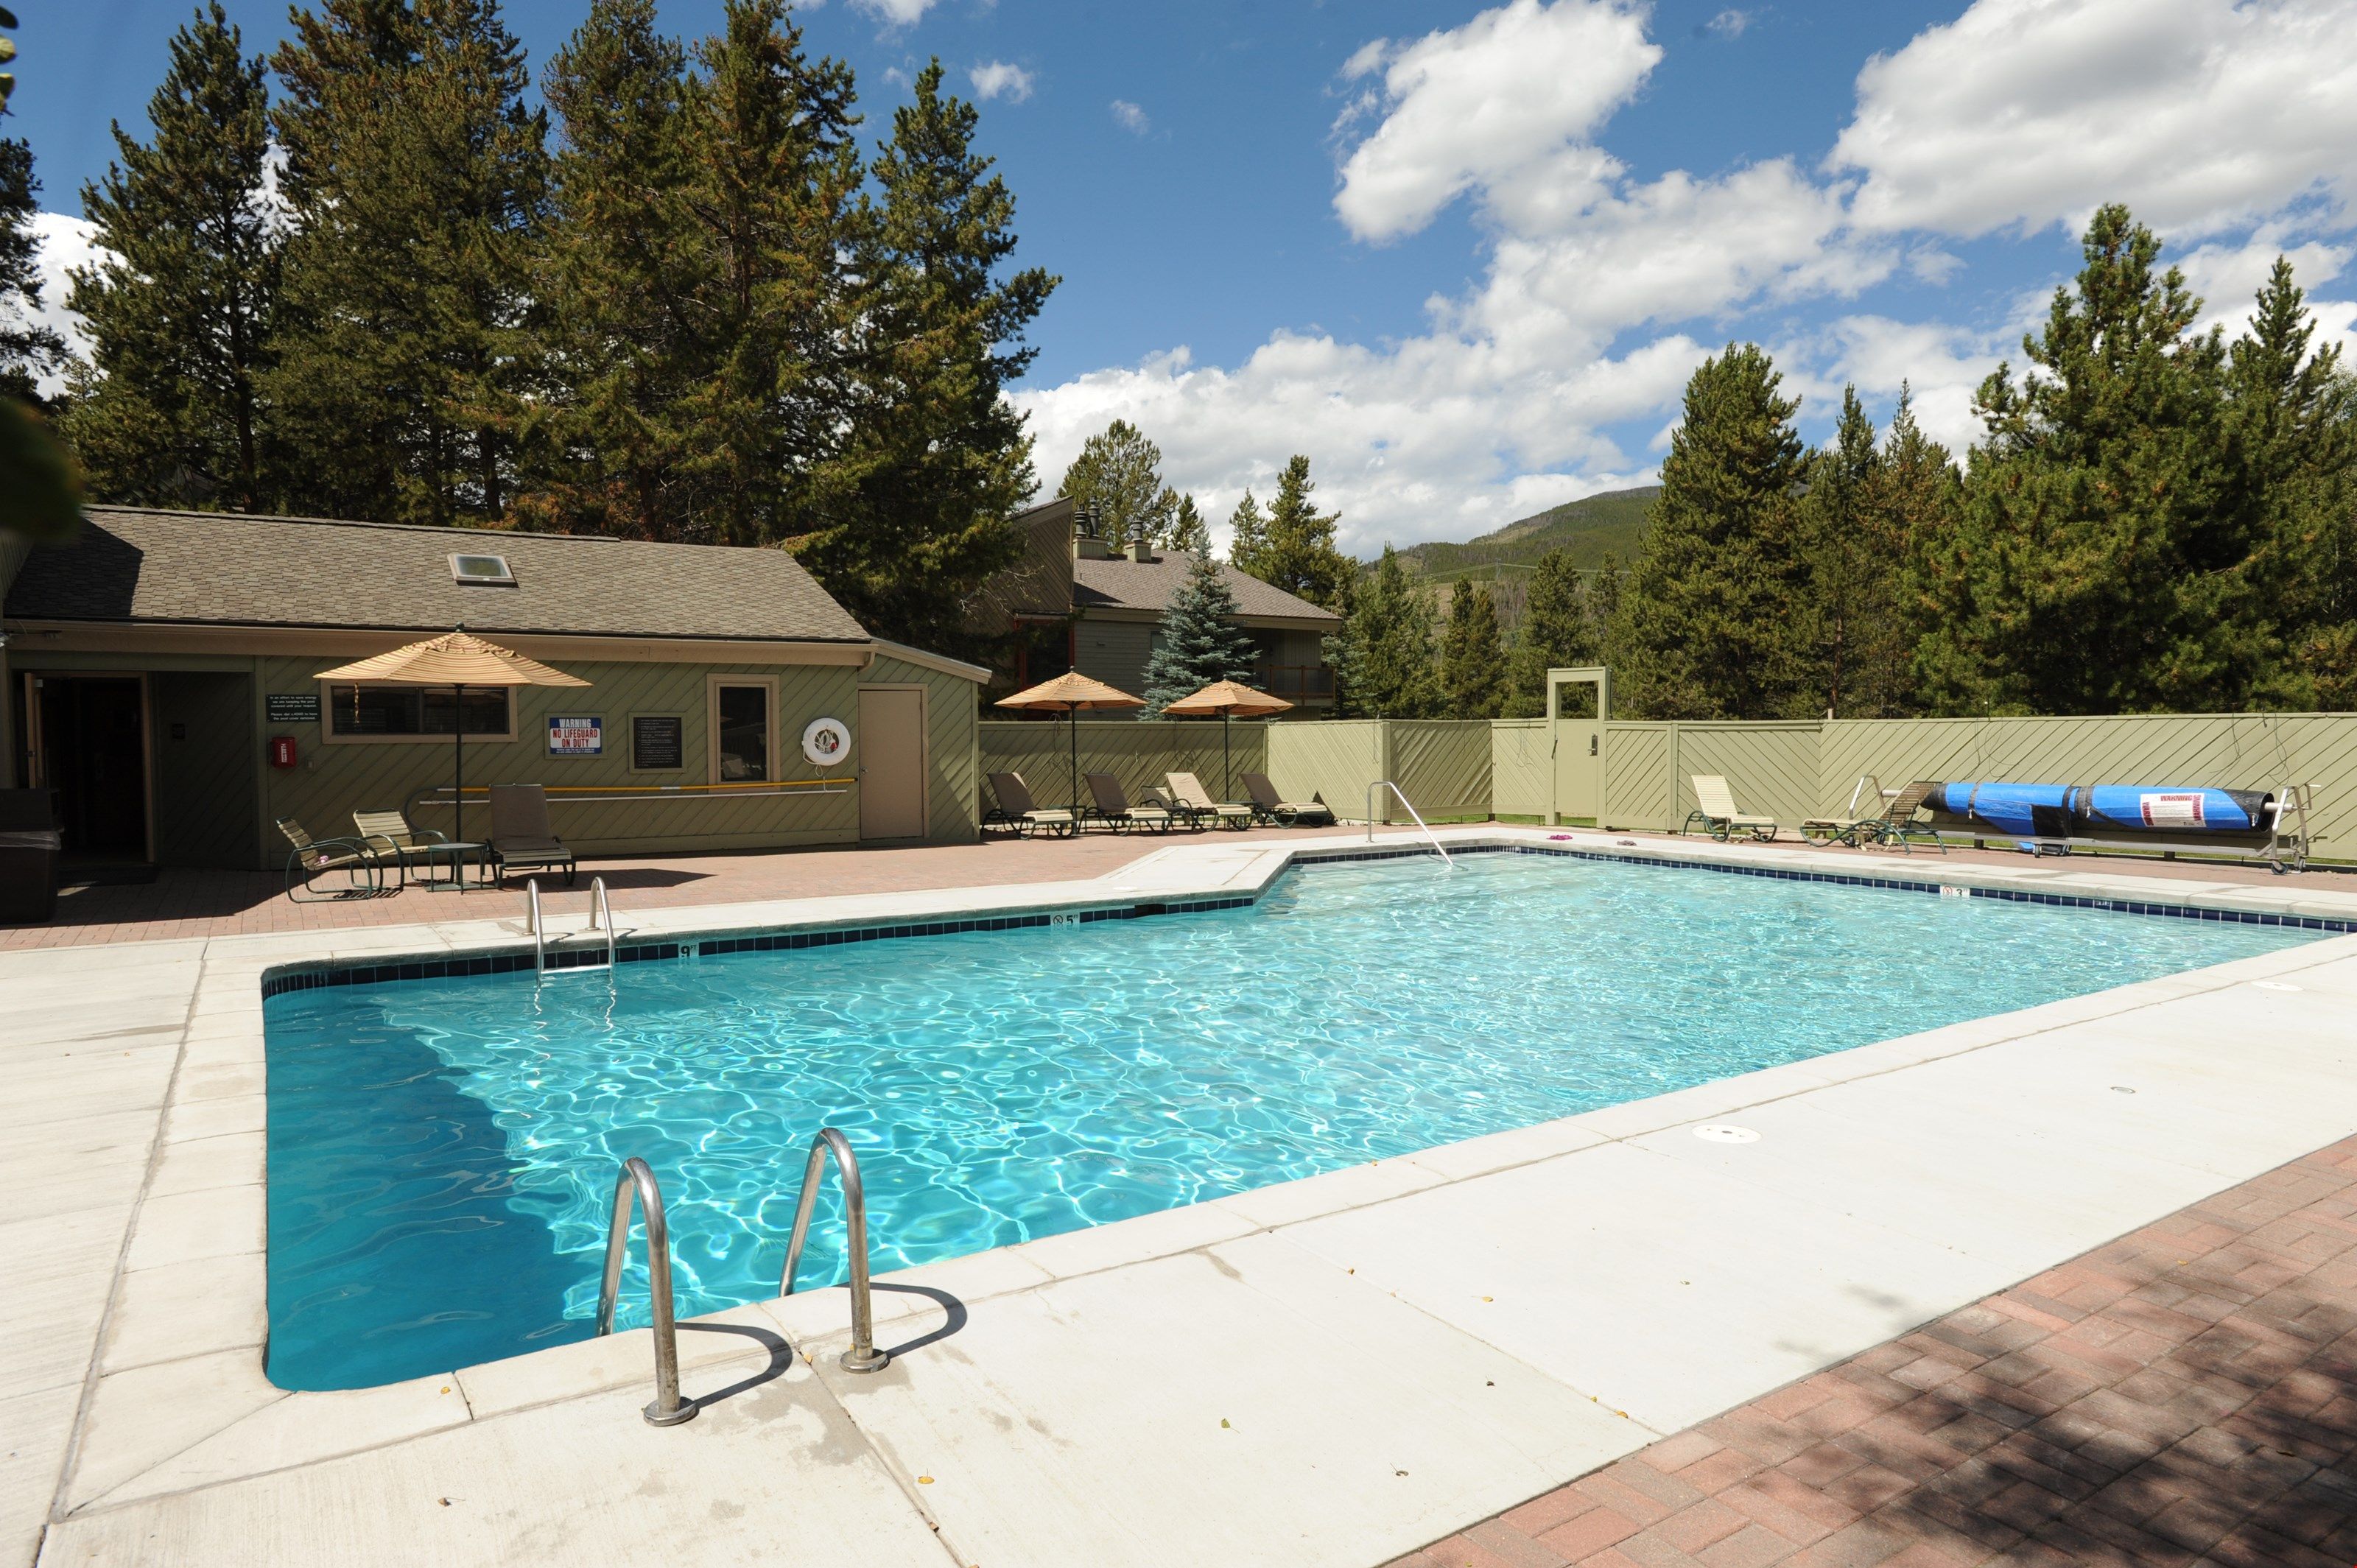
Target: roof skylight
482, 571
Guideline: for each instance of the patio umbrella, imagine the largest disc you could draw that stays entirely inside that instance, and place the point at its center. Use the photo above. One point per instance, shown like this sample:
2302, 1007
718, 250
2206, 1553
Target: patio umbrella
1068, 694
457, 660
1227, 699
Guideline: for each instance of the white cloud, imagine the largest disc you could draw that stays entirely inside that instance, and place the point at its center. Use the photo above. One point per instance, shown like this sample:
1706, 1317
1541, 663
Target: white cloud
1489, 104
2200, 114
896, 13
1730, 23
65, 244
1131, 117
997, 78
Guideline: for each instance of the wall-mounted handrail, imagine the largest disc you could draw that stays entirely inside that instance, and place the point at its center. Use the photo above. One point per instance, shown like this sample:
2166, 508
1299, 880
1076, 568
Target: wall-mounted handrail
668, 1409
863, 1356
1381, 784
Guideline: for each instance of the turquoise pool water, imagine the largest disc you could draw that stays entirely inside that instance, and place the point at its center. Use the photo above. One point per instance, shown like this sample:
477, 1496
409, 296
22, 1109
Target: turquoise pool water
442, 1151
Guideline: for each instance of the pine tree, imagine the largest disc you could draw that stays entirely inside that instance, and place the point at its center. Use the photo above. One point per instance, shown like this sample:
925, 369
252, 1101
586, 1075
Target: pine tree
1200, 641
620, 271
1847, 615
935, 461
1705, 628
2099, 563
177, 310
1389, 651
2292, 423
415, 183
1299, 556
28, 350
1247, 536
1189, 534
1557, 633
1472, 656
1119, 475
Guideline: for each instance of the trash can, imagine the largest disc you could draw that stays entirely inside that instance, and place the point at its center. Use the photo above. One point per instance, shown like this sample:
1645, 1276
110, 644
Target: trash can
28, 857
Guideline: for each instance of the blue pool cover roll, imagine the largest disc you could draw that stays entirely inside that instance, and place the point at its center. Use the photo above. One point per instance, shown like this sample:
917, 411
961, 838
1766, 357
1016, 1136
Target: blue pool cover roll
2054, 810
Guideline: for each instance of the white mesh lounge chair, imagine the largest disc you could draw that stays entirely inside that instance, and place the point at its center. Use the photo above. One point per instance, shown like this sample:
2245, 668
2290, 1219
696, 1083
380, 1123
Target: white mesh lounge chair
1113, 810
1717, 813
1196, 801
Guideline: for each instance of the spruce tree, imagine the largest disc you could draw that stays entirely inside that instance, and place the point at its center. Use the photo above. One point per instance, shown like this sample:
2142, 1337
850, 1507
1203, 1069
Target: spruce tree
2101, 561
1200, 641
178, 309
28, 350
1472, 656
1299, 556
415, 184
1557, 633
620, 271
2292, 421
1853, 650
933, 461
1705, 629
1247, 536
1189, 534
1119, 473
1389, 651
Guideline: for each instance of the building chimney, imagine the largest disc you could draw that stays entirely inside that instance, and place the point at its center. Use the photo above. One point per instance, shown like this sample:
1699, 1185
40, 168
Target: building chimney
1139, 550
1086, 544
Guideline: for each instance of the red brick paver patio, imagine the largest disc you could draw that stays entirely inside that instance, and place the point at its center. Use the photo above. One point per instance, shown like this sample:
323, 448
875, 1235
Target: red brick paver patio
2182, 1396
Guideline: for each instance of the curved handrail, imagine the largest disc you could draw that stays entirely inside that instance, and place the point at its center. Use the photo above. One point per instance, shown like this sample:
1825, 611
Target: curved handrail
863, 1356
668, 1409
539, 931
601, 918
1380, 784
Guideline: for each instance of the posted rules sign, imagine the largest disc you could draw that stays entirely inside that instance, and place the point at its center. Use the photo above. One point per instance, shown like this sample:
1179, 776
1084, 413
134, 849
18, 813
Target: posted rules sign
578, 735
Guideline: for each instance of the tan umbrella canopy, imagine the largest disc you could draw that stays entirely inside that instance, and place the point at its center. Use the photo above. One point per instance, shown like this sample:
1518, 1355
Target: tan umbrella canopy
1067, 694
456, 660
1228, 699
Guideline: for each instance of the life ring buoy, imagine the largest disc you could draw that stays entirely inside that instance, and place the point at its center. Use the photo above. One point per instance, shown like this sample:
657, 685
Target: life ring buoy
825, 742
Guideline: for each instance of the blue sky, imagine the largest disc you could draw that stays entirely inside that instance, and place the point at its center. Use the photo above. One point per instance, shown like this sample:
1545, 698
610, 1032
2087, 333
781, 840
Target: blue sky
1465, 255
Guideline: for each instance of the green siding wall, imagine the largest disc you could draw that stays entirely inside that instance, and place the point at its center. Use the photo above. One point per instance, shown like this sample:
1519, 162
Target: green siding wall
951, 759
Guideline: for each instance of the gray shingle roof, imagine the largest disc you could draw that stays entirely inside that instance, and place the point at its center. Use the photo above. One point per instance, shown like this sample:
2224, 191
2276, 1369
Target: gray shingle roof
233, 569
1123, 584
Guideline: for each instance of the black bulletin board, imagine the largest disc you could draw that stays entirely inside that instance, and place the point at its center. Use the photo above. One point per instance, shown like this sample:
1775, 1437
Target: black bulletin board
658, 743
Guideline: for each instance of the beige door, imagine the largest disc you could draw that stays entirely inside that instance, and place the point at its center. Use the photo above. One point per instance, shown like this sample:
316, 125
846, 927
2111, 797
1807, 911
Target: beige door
891, 762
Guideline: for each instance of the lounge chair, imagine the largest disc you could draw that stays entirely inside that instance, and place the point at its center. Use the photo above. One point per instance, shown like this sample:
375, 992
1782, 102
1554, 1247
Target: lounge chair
1846, 827
522, 839
364, 869
1019, 811
1194, 801
1268, 806
1907, 818
391, 837
1112, 808
1717, 813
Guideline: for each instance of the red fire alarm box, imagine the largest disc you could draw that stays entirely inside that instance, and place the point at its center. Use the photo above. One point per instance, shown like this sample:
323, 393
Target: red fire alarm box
281, 751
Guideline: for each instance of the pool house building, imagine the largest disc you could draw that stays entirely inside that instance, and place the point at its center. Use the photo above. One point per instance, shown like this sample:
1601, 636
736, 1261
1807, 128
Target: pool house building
162, 677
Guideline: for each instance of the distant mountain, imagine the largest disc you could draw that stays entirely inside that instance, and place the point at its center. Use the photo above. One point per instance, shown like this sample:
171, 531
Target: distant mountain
1611, 522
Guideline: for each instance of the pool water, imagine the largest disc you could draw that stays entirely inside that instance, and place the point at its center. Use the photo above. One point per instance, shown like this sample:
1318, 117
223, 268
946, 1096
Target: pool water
443, 1152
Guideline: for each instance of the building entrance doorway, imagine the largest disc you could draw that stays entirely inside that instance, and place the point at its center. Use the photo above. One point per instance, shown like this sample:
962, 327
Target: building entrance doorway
89, 736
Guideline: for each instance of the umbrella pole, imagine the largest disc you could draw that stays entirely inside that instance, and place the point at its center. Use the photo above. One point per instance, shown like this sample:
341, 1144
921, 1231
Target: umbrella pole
1073, 723
458, 779
1227, 769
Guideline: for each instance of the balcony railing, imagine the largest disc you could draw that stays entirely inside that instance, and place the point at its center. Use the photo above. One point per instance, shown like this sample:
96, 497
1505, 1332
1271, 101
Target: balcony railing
1295, 681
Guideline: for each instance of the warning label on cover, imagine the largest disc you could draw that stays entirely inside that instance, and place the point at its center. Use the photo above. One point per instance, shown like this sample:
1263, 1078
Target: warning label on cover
2171, 811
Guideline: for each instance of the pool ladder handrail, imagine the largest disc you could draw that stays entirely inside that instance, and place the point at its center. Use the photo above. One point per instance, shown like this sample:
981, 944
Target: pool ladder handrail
1382, 784
601, 919
863, 1356
668, 1409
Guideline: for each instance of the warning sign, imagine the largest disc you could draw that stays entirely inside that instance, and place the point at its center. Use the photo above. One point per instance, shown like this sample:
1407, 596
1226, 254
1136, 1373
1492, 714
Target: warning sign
2173, 811
581, 735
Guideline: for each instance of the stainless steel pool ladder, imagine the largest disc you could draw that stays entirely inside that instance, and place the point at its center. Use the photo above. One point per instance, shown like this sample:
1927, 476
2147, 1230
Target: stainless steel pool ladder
1382, 784
601, 919
668, 1409
863, 1356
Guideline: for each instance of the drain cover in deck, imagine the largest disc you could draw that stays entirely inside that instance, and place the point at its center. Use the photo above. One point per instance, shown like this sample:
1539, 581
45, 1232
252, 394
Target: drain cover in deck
1721, 1133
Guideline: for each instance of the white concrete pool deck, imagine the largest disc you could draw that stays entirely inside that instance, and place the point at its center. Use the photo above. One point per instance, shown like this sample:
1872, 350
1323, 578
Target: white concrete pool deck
1334, 1370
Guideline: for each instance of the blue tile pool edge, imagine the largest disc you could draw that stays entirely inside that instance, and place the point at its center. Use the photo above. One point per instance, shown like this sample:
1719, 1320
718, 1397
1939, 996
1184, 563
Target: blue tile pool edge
307, 975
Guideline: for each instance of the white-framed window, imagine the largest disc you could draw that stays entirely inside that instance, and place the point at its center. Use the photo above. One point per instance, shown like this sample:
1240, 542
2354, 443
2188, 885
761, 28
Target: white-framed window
416, 713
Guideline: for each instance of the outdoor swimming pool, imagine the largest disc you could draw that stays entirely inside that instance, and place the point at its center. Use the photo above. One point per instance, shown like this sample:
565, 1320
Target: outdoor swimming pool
442, 1151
